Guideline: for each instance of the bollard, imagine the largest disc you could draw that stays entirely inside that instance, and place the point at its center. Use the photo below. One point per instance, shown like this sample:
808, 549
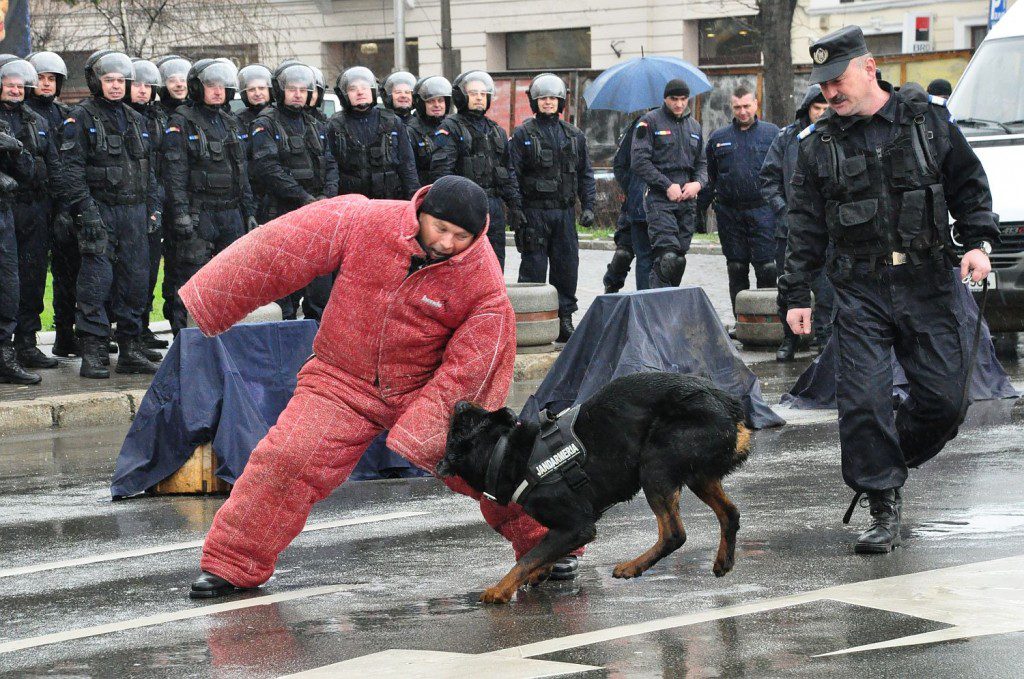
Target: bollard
536, 307
757, 318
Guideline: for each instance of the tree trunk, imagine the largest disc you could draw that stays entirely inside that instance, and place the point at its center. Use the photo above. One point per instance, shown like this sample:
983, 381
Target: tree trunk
775, 18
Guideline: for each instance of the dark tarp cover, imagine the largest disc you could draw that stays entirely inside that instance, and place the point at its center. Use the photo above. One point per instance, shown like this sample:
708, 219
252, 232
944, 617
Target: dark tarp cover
667, 329
815, 389
227, 389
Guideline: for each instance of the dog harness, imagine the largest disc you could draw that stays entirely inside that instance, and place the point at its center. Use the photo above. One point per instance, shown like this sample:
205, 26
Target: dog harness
557, 456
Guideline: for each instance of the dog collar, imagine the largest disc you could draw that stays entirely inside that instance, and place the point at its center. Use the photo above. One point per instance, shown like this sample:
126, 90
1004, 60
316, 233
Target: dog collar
493, 467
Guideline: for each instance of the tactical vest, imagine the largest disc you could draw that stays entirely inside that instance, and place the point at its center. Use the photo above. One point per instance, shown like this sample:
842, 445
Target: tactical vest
215, 165
480, 156
301, 153
890, 199
421, 134
371, 170
549, 175
117, 168
31, 138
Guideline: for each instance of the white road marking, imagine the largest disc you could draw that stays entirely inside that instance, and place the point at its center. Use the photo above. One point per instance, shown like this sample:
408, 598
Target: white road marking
159, 619
403, 664
177, 546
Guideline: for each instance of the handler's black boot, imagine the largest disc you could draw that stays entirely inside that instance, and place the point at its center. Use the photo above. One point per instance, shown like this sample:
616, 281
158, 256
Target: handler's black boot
210, 586
10, 371
565, 568
153, 355
787, 350
130, 359
94, 352
66, 344
884, 533
151, 341
565, 329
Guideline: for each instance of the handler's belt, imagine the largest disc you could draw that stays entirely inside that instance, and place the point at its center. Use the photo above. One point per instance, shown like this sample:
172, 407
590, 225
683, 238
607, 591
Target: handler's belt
557, 456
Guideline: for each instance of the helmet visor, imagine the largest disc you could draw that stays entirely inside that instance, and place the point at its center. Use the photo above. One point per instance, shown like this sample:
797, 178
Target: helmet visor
220, 73
49, 62
547, 85
114, 64
18, 72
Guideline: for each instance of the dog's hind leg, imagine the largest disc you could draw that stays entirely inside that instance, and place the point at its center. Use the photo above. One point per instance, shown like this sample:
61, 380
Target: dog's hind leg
671, 534
713, 495
553, 546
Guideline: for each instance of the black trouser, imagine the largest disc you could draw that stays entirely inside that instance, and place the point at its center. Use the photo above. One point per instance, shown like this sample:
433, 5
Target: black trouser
155, 251
65, 263
8, 276
914, 311
670, 225
32, 225
118, 277
561, 247
217, 229
496, 228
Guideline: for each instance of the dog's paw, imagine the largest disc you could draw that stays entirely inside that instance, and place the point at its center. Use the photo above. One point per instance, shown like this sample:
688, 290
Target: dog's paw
721, 567
495, 595
627, 570
540, 576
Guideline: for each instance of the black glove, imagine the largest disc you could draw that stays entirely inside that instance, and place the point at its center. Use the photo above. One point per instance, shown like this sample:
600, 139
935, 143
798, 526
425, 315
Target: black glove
587, 218
156, 220
516, 218
63, 227
92, 233
529, 239
9, 144
8, 184
183, 227
251, 224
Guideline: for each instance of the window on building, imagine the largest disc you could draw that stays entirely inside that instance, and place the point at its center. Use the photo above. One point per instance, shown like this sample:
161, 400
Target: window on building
75, 61
978, 34
542, 50
732, 40
884, 43
376, 55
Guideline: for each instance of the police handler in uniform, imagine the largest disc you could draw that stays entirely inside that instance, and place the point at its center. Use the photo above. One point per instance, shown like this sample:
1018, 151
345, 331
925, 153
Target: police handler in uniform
875, 177
668, 155
550, 160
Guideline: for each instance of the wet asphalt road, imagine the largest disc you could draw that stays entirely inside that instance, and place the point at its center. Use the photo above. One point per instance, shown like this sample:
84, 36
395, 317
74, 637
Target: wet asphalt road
347, 591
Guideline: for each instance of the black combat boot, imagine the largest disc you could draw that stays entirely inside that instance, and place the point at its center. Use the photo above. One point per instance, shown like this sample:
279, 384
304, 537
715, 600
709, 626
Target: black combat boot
210, 586
884, 533
10, 371
152, 355
565, 329
787, 350
151, 341
94, 352
131, 359
30, 356
67, 345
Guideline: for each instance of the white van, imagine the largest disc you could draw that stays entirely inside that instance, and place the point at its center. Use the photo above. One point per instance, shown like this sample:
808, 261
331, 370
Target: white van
988, 104
331, 104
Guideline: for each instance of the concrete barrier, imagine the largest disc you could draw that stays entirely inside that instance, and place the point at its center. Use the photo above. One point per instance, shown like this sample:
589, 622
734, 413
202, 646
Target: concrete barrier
757, 318
536, 307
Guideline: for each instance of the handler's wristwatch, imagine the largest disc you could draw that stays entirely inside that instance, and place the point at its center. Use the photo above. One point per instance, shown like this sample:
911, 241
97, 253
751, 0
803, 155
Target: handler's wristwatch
984, 246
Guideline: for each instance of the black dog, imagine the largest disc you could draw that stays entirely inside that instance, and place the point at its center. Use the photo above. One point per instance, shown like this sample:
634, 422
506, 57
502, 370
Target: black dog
656, 431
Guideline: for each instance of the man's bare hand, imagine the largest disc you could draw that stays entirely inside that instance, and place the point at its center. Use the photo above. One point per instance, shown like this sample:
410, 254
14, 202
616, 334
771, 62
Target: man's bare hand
690, 190
975, 263
799, 321
674, 193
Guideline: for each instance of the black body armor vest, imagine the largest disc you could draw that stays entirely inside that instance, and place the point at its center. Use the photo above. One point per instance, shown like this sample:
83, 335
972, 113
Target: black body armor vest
117, 169
480, 155
549, 175
302, 154
371, 170
215, 165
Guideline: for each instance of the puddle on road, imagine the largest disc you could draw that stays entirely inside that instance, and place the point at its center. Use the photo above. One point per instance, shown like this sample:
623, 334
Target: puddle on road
980, 522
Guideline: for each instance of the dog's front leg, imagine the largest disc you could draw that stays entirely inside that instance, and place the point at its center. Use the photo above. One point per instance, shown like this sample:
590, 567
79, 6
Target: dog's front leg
554, 545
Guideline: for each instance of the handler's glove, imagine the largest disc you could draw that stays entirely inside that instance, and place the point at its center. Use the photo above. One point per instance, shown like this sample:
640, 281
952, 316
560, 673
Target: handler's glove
587, 218
92, 233
183, 227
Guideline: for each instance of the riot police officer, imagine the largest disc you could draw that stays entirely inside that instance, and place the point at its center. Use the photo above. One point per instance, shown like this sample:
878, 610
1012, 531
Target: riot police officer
33, 205
254, 91
205, 174
877, 176
631, 239
472, 145
140, 97
16, 163
370, 144
549, 157
432, 99
668, 155
112, 189
399, 94
51, 73
293, 163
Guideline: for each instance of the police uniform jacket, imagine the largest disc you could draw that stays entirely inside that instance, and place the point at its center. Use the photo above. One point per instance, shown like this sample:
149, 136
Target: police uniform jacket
551, 163
735, 157
668, 150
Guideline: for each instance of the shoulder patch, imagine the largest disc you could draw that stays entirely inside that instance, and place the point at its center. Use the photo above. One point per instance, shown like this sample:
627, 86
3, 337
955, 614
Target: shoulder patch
69, 120
258, 129
172, 128
695, 135
806, 132
938, 101
642, 123
443, 131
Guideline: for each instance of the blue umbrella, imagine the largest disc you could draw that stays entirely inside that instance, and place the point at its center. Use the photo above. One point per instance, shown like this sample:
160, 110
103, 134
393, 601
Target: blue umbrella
640, 83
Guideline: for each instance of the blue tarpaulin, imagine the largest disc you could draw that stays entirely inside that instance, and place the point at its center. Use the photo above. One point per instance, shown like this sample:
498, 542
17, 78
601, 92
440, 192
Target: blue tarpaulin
668, 329
228, 390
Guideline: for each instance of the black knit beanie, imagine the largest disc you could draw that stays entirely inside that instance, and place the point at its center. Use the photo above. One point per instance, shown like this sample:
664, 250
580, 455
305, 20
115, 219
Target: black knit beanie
457, 200
676, 88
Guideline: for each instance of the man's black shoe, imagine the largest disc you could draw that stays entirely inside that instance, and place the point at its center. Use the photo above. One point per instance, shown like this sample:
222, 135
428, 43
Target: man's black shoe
565, 568
565, 329
67, 345
884, 533
30, 356
131, 360
10, 371
94, 353
151, 341
787, 350
210, 586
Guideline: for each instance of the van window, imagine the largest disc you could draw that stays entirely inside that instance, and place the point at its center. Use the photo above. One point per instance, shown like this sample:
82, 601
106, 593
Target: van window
989, 98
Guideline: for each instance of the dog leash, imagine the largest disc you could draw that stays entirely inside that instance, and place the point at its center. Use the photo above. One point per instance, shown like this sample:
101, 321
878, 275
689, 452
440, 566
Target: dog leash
966, 390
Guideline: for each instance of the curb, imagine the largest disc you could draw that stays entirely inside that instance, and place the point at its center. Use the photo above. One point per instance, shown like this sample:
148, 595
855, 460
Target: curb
602, 244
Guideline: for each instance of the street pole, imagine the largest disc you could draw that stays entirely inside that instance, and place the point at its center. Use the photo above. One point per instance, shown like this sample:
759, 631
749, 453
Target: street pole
399, 35
447, 67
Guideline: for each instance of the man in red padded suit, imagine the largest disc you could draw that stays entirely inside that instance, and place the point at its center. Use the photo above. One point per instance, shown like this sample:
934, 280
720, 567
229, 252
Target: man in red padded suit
418, 319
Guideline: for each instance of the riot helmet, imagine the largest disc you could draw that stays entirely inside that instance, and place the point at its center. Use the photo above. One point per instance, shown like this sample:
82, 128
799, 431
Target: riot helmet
49, 62
353, 77
15, 71
293, 76
547, 85
174, 73
207, 73
429, 88
401, 80
253, 76
107, 63
472, 81
146, 73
